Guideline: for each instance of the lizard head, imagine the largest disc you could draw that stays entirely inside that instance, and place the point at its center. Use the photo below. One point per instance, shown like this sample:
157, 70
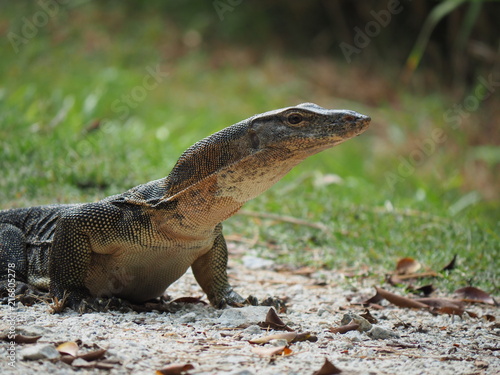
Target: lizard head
267, 145
306, 128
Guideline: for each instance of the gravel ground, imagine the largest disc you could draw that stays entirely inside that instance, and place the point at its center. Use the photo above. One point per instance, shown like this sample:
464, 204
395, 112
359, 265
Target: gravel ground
217, 341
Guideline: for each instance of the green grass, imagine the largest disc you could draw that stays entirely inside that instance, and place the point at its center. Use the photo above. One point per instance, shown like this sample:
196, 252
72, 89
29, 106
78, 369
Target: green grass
67, 135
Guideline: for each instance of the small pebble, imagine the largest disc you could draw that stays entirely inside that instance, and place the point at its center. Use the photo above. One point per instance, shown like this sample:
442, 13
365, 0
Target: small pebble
39, 351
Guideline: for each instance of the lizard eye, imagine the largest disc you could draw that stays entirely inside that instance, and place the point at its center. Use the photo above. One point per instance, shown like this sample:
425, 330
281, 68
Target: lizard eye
294, 118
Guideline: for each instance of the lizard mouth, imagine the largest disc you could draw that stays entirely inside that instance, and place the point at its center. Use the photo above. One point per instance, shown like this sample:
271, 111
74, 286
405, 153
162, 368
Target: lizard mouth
355, 125
363, 125
332, 135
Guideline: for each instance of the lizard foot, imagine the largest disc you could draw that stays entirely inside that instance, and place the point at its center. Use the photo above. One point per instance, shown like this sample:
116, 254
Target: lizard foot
83, 303
103, 304
231, 298
159, 305
278, 303
22, 292
227, 298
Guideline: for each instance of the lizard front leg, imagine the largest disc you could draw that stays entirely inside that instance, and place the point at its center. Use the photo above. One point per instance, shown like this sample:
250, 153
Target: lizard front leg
13, 261
210, 270
69, 263
71, 253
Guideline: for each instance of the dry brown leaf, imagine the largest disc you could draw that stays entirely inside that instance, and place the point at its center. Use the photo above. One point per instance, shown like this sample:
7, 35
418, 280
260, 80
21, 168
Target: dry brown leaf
21, 339
189, 300
270, 351
305, 336
274, 321
472, 314
489, 318
450, 266
344, 329
374, 300
175, 369
426, 290
441, 302
328, 368
69, 347
406, 266
68, 359
450, 310
93, 356
376, 306
472, 294
393, 280
288, 336
368, 316
400, 301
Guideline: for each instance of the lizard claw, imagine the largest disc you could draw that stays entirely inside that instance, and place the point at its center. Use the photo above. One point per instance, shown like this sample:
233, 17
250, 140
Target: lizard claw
101, 304
228, 298
252, 300
23, 292
82, 302
278, 303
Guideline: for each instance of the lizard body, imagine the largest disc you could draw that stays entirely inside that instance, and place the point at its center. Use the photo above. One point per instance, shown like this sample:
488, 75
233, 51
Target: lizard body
134, 245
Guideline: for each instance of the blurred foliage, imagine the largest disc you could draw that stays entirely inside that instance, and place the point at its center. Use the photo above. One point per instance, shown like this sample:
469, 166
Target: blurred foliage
455, 39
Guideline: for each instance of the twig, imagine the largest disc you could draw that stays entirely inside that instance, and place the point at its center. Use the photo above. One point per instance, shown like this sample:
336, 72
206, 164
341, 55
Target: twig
286, 219
417, 275
404, 212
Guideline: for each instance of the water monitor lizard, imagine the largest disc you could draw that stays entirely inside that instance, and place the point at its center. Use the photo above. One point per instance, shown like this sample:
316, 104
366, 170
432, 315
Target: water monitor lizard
134, 245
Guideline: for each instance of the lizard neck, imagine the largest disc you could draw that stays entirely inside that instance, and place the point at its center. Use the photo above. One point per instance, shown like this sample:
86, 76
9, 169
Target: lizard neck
221, 194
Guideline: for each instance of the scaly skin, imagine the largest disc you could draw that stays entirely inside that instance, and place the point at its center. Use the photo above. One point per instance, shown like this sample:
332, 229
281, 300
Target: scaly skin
134, 245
